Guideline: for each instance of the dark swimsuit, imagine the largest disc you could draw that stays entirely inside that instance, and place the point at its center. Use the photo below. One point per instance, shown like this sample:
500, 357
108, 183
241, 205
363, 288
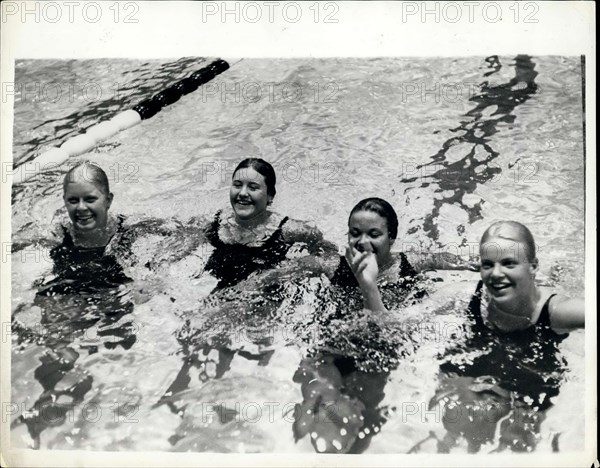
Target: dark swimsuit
541, 328
78, 268
523, 361
232, 263
372, 346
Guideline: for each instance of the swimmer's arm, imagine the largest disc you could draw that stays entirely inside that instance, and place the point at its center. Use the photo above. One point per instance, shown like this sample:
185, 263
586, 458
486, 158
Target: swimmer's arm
19, 243
423, 261
168, 227
157, 243
448, 296
459, 290
179, 236
372, 299
567, 314
44, 236
199, 223
313, 265
298, 231
454, 297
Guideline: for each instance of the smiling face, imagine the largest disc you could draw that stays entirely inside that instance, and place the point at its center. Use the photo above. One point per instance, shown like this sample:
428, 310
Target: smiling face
506, 270
87, 205
248, 194
368, 232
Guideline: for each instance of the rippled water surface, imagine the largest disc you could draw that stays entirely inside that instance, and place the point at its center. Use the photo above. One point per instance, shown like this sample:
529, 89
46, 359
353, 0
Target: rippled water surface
454, 144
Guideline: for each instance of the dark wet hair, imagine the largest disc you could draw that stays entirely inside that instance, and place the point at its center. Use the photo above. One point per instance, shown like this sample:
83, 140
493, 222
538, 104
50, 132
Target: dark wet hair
512, 230
383, 209
263, 168
90, 173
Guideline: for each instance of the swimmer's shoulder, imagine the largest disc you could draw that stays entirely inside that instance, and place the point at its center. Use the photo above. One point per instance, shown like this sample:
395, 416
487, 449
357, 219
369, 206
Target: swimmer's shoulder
565, 313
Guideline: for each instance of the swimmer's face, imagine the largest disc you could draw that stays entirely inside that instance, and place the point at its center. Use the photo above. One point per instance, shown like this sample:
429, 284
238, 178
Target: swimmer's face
505, 269
368, 232
86, 204
248, 194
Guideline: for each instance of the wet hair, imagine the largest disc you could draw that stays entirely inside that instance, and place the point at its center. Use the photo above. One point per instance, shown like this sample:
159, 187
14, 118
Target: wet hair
514, 231
263, 168
90, 173
383, 209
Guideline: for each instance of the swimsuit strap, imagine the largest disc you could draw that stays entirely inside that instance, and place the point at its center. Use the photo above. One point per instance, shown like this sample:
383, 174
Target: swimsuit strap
406, 269
474, 309
67, 238
544, 319
277, 234
120, 223
274, 243
120, 240
212, 233
283, 221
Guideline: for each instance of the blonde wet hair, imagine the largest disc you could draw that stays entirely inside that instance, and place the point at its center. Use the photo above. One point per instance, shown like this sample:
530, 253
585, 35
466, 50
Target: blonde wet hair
90, 173
512, 230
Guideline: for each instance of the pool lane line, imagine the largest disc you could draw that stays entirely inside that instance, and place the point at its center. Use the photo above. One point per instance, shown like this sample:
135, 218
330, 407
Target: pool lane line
146, 109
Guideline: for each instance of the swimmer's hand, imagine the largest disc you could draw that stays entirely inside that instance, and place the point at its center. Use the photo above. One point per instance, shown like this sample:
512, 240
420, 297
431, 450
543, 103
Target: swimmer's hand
363, 265
365, 269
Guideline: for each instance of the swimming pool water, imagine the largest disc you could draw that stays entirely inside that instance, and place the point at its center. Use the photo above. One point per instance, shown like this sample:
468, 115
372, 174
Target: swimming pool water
509, 147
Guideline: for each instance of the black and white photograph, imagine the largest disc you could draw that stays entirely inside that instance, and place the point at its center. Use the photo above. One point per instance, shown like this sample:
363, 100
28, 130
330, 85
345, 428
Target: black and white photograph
298, 231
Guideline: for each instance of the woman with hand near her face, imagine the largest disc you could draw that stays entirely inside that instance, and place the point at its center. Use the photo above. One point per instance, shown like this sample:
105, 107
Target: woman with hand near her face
369, 263
348, 367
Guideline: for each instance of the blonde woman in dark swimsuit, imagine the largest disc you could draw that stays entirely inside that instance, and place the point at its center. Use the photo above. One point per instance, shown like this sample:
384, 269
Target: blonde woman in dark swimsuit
514, 328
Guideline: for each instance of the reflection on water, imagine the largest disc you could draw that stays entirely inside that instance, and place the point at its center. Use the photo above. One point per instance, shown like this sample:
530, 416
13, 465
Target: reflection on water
454, 179
349, 361
79, 321
237, 321
340, 409
84, 305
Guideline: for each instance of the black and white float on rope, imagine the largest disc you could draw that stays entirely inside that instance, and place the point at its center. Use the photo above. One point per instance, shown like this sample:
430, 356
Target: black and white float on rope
144, 110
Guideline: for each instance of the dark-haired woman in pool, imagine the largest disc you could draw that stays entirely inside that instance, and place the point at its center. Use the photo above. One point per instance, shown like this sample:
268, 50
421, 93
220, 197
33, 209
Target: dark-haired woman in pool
248, 239
369, 264
515, 326
343, 378
251, 237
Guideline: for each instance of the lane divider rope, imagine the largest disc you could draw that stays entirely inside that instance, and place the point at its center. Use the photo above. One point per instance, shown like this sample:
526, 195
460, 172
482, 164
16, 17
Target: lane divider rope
84, 142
